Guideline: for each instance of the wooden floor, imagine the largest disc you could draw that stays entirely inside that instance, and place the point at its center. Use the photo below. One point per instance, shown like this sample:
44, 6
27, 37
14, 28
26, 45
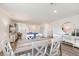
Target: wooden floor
69, 50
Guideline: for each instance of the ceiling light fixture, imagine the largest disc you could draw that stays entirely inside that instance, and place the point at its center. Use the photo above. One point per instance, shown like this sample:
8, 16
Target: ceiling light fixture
55, 11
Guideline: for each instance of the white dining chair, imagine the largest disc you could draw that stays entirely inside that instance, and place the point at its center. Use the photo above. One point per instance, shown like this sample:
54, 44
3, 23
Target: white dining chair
55, 47
6, 47
39, 48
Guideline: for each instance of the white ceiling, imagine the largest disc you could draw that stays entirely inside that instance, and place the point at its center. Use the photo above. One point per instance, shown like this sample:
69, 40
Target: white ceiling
39, 12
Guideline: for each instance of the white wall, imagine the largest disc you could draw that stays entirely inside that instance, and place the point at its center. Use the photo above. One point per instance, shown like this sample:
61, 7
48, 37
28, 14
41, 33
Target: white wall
4, 22
58, 23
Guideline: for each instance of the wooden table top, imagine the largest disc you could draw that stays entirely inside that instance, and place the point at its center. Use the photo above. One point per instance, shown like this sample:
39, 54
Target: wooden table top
25, 45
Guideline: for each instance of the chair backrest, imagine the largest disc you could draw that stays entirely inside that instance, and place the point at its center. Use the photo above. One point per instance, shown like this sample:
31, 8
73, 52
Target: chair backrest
54, 51
7, 50
30, 37
39, 48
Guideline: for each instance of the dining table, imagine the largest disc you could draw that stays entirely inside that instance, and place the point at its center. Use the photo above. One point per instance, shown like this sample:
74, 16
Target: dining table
25, 45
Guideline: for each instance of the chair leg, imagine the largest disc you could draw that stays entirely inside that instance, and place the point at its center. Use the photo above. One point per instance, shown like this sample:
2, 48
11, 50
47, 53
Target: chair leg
60, 50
